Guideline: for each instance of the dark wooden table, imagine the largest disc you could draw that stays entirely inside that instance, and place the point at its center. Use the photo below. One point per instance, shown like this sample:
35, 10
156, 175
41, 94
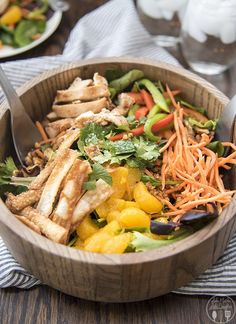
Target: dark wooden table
46, 305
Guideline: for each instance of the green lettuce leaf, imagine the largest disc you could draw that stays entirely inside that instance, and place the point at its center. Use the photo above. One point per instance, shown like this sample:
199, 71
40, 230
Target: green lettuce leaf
8, 183
210, 124
142, 243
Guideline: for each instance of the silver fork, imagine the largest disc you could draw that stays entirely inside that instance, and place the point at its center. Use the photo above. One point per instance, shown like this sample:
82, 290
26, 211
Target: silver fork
24, 132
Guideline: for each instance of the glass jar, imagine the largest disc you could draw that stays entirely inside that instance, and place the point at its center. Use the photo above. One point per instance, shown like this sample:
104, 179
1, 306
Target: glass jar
209, 35
162, 18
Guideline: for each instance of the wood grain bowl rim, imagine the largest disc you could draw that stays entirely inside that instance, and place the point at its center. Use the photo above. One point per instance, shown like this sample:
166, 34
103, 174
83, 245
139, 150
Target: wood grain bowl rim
119, 259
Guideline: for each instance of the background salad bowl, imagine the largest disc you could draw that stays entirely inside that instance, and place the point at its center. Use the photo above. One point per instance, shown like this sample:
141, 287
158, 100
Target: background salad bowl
115, 277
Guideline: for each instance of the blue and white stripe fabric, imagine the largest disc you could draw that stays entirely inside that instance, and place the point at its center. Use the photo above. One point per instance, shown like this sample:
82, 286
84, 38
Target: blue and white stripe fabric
111, 30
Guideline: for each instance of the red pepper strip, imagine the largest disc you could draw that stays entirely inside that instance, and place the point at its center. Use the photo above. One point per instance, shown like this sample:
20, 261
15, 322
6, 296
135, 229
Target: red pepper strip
141, 112
137, 97
147, 97
163, 123
174, 93
117, 137
136, 132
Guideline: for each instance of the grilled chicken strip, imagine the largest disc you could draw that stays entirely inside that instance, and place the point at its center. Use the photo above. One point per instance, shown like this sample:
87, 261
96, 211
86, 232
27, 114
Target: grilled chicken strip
90, 201
71, 191
25, 199
56, 127
83, 94
83, 90
52, 186
28, 223
47, 227
125, 103
68, 139
37, 183
73, 110
79, 83
102, 118
99, 80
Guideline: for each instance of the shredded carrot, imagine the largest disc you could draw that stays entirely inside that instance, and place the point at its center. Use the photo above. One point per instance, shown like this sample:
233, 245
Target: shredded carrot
206, 201
226, 167
172, 97
41, 130
171, 139
227, 159
176, 188
58, 136
46, 141
190, 161
173, 92
40, 154
163, 170
168, 203
166, 134
229, 144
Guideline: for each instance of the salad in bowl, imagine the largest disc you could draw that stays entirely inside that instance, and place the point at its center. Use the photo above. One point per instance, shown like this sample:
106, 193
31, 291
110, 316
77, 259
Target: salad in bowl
125, 165
22, 21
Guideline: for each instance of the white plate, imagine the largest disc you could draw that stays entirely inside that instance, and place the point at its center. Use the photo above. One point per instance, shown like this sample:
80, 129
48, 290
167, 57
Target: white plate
52, 25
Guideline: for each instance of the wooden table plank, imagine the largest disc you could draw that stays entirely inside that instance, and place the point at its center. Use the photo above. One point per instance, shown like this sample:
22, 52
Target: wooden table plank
46, 305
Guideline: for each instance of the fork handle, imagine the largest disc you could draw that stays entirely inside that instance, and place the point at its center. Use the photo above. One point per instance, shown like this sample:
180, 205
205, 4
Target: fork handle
15, 104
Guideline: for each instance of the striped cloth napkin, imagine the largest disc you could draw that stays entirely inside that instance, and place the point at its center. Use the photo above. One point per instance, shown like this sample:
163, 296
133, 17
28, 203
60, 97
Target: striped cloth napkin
111, 30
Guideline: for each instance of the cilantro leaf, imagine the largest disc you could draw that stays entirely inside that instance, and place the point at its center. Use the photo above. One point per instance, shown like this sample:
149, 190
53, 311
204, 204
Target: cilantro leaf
93, 133
89, 185
146, 150
137, 152
157, 183
121, 147
98, 172
103, 157
7, 168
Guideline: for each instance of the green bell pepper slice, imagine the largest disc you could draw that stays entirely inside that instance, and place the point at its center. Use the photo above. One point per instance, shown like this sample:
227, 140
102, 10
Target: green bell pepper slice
156, 94
148, 126
155, 110
133, 110
126, 80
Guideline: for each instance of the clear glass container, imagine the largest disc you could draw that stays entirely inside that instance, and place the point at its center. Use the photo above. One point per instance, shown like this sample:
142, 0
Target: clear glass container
162, 19
208, 39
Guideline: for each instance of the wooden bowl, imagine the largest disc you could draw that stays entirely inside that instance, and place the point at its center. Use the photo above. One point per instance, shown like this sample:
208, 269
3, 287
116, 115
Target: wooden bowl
125, 277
